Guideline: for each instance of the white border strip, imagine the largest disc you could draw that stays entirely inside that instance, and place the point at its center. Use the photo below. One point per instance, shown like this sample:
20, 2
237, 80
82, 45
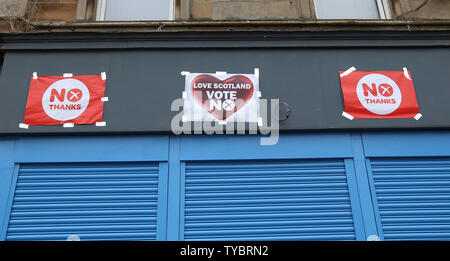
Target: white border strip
185, 73
384, 9
101, 10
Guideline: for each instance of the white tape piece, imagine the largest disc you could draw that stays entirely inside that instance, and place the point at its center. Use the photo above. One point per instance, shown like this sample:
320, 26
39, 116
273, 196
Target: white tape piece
348, 116
73, 238
349, 71
258, 94
185, 73
260, 122
103, 76
104, 99
418, 116
406, 73
68, 75
68, 125
223, 122
221, 73
100, 124
373, 238
184, 95
35, 76
183, 118
23, 126
256, 73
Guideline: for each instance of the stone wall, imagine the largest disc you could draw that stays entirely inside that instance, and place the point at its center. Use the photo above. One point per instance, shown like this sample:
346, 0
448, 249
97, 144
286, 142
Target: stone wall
46, 10
56, 10
70, 10
13, 8
245, 9
295, 9
433, 9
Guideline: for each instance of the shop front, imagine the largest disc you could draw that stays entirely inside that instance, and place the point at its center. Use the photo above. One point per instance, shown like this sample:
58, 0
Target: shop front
332, 172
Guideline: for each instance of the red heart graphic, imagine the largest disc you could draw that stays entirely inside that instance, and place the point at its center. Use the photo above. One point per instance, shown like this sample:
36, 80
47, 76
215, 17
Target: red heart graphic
222, 98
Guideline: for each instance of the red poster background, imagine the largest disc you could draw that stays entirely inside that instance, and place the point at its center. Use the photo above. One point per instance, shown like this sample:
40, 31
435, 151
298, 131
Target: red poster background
408, 107
35, 114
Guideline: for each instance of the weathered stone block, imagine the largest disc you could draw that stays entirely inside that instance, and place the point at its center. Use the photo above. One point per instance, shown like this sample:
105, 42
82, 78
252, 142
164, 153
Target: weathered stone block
254, 9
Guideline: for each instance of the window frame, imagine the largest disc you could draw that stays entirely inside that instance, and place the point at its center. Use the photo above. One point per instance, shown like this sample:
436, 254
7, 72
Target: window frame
101, 10
384, 10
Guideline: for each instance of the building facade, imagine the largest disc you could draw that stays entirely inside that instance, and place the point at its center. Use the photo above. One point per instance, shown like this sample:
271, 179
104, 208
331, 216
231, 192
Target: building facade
132, 176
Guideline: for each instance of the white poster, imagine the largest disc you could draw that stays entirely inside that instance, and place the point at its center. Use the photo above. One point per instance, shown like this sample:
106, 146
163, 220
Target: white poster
221, 97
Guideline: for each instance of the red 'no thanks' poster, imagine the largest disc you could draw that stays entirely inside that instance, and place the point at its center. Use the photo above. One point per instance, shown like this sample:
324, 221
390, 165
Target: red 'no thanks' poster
55, 100
379, 94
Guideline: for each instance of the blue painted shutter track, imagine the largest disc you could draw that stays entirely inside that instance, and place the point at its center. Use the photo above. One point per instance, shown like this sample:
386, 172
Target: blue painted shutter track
266, 200
413, 197
94, 201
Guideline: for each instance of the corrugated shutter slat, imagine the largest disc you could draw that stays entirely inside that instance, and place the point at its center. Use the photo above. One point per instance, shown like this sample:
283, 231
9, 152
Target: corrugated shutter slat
111, 201
413, 197
270, 200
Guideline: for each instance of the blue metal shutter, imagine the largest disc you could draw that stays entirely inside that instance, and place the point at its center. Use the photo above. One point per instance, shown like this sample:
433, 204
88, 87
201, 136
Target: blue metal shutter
413, 197
108, 201
267, 200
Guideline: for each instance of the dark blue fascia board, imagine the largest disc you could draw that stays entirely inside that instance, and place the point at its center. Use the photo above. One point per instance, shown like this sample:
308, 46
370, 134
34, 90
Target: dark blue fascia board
223, 39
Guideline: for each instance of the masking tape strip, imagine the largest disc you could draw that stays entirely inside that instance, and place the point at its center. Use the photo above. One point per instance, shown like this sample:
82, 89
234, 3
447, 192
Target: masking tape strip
100, 124
223, 122
68, 125
185, 73
348, 116
256, 73
104, 99
258, 94
260, 122
23, 126
68, 75
183, 118
418, 116
185, 95
221, 73
406, 73
103, 76
349, 71
35, 76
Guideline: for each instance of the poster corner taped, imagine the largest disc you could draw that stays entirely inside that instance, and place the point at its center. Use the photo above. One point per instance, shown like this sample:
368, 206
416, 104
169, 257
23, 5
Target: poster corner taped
55, 100
219, 97
379, 94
